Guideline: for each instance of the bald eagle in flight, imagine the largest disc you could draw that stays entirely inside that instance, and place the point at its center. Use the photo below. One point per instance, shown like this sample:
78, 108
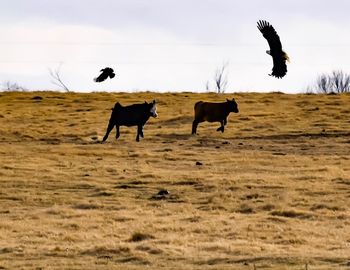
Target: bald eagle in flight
278, 55
106, 72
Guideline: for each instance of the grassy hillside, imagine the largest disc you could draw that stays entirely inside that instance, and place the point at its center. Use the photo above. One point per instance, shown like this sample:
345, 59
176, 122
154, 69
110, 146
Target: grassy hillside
273, 191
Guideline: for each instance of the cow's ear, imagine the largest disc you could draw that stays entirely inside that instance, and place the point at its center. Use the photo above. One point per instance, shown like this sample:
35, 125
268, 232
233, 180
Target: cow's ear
227, 99
154, 101
233, 99
146, 102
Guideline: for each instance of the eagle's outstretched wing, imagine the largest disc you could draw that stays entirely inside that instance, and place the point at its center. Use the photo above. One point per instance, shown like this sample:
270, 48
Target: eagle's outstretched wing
279, 56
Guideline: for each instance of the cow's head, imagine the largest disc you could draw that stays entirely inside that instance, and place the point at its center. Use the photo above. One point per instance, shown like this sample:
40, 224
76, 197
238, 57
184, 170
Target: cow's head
233, 105
152, 108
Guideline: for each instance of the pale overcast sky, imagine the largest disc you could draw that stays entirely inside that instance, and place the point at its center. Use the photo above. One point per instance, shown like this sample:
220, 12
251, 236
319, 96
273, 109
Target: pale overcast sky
170, 45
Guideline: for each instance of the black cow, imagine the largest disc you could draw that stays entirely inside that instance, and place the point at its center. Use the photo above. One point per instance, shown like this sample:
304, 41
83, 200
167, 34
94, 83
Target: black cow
213, 112
133, 115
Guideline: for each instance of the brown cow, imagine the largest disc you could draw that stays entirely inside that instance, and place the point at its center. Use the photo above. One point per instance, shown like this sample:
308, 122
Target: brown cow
213, 112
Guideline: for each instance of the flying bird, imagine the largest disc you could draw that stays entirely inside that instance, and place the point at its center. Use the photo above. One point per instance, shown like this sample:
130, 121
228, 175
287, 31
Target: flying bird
278, 55
106, 72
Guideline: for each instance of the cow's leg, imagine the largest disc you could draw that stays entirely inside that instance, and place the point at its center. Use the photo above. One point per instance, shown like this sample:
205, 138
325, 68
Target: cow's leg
117, 135
109, 129
194, 126
139, 131
223, 123
222, 127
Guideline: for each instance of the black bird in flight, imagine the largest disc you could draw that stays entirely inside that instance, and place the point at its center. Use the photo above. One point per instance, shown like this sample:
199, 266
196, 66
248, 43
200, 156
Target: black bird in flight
278, 55
106, 72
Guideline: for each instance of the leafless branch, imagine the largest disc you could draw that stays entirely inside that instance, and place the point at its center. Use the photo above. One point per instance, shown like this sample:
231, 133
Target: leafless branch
207, 86
56, 78
220, 78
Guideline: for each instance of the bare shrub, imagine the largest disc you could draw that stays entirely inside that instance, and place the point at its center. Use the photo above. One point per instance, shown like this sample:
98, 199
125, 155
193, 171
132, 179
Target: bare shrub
336, 82
341, 82
220, 79
323, 83
13, 86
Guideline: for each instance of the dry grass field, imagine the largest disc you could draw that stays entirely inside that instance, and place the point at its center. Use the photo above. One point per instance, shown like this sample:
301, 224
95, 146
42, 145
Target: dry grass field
272, 192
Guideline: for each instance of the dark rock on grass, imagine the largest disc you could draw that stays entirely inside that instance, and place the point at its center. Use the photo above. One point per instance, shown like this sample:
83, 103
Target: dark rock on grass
137, 237
279, 154
250, 196
198, 163
163, 192
161, 195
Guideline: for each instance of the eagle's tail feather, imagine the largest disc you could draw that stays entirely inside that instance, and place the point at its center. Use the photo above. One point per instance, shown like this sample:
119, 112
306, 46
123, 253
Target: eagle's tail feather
286, 57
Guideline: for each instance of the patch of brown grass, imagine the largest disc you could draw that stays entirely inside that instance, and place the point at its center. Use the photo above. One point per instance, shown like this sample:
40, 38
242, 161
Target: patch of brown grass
272, 191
